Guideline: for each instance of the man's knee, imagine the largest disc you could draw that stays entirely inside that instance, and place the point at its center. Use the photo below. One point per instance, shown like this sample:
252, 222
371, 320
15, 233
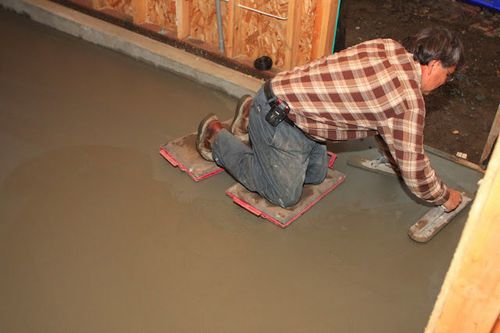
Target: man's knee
290, 202
287, 199
317, 177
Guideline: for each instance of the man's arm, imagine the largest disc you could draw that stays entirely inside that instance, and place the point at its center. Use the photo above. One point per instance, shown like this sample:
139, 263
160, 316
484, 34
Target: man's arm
403, 135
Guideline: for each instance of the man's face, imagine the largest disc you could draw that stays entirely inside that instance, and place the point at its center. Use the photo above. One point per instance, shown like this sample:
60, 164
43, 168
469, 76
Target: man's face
436, 76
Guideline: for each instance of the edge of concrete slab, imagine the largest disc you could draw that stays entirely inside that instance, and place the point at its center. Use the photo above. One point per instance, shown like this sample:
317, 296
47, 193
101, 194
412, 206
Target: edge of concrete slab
135, 45
454, 159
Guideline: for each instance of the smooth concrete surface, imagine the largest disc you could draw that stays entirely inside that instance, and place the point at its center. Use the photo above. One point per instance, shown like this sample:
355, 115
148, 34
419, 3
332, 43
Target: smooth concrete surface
98, 233
135, 45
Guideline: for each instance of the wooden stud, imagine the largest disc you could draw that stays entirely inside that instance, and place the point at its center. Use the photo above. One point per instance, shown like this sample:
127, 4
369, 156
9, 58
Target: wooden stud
324, 28
237, 18
469, 301
139, 8
304, 36
229, 33
183, 9
494, 132
292, 28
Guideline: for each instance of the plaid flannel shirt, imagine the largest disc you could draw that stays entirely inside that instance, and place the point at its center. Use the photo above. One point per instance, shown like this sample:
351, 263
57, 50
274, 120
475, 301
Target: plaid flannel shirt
368, 89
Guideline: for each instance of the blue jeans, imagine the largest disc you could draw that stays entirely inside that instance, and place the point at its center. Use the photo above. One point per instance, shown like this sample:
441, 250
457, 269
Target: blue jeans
279, 162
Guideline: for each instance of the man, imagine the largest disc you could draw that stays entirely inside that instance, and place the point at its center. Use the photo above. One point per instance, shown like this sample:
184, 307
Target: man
373, 88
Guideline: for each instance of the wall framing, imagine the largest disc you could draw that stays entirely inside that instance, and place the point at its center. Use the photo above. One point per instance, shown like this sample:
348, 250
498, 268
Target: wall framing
291, 32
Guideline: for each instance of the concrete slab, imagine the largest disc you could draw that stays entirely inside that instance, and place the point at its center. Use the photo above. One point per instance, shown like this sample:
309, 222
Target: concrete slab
99, 234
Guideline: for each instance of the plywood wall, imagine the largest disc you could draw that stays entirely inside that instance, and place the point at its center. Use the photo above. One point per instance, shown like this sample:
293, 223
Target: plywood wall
159, 15
203, 21
258, 35
162, 13
291, 32
305, 35
122, 6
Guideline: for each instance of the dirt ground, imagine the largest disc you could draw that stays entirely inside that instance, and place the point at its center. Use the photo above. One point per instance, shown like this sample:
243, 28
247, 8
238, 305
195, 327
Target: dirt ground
460, 113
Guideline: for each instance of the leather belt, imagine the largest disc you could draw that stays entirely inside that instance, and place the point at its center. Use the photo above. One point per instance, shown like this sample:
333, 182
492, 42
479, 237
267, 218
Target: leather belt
268, 91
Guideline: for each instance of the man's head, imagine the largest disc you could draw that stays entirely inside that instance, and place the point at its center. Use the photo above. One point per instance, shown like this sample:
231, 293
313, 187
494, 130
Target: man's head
439, 53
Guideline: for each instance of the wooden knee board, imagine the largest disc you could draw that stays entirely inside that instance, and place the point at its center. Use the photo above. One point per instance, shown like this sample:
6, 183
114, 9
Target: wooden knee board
283, 217
182, 153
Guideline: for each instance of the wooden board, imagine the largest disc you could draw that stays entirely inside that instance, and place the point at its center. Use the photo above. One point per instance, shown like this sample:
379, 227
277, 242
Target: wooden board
469, 301
283, 217
182, 153
157, 15
324, 28
162, 13
307, 17
122, 6
492, 138
203, 23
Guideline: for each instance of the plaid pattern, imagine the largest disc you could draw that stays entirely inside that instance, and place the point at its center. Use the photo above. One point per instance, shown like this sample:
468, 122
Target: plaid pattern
371, 88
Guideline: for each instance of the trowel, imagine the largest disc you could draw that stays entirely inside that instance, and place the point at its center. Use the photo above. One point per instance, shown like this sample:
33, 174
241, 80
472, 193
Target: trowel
379, 165
434, 220
428, 225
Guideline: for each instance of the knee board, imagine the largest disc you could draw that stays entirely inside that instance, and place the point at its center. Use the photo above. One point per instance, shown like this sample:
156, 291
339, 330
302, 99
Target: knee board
182, 153
283, 217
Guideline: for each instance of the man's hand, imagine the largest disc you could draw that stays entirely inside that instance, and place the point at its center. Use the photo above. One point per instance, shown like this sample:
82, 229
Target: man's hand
453, 201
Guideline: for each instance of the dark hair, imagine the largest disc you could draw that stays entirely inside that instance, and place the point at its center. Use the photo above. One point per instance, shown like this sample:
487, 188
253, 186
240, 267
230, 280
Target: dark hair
436, 43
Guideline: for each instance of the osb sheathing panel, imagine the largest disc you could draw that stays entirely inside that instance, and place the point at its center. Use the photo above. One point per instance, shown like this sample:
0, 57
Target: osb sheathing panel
203, 24
259, 35
252, 34
122, 6
305, 35
162, 13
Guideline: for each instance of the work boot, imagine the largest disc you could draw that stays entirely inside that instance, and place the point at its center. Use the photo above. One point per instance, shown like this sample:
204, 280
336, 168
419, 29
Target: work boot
207, 130
239, 126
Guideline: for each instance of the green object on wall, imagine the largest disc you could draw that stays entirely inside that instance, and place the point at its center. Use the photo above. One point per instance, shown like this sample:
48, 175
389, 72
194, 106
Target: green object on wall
336, 26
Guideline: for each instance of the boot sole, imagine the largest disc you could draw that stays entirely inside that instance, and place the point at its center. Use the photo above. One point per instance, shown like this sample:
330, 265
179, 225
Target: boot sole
239, 113
202, 132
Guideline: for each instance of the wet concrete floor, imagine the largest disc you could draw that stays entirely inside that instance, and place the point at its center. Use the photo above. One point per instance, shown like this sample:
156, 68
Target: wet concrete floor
99, 234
